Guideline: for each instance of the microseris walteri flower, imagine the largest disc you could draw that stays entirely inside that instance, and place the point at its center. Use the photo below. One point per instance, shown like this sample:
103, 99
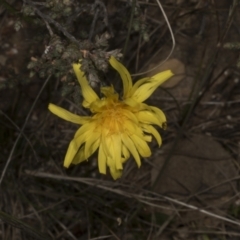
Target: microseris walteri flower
119, 126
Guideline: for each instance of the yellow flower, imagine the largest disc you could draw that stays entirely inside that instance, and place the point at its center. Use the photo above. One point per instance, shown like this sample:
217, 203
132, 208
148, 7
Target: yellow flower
119, 126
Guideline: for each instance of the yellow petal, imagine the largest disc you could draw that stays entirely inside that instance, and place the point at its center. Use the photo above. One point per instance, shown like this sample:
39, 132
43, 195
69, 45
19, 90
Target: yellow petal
83, 155
141, 145
91, 143
147, 138
115, 173
159, 113
134, 106
126, 78
137, 84
87, 92
79, 157
106, 141
150, 129
117, 147
71, 152
148, 118
66, 115
111, 162
79, 139
132, 103
96, 106
108, 91
148, 86
113, 144
102, 160
131, 147
85, 103
87, 127
129, 115
125, 153
132, 128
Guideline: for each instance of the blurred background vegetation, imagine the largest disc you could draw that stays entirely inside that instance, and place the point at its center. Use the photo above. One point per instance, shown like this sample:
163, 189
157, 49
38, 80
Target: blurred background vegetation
189, 188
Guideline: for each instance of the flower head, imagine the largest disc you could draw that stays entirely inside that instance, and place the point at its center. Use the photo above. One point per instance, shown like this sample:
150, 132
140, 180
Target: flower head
119, 126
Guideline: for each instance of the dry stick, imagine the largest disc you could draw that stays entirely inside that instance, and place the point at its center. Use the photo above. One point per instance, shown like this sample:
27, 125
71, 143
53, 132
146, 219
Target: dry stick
105, 19
106, 226
138, 53
7, 7
230, 19
15, 222
143, 43
93, 24
175, 144
141, 198
236, 234
173, 41
65, 229
151, 229
140, 42
18, 128
56, 24
101, 237
21, 131
49, 28
186, 118
44, 209
129, 28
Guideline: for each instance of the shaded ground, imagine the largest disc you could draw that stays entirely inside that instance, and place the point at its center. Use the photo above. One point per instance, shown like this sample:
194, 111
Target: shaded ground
188, 189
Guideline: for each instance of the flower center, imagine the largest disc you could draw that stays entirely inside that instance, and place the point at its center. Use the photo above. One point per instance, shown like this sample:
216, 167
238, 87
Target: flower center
111, 118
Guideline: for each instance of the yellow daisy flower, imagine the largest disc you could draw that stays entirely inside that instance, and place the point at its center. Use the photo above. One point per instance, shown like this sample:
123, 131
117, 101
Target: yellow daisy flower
119, 126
